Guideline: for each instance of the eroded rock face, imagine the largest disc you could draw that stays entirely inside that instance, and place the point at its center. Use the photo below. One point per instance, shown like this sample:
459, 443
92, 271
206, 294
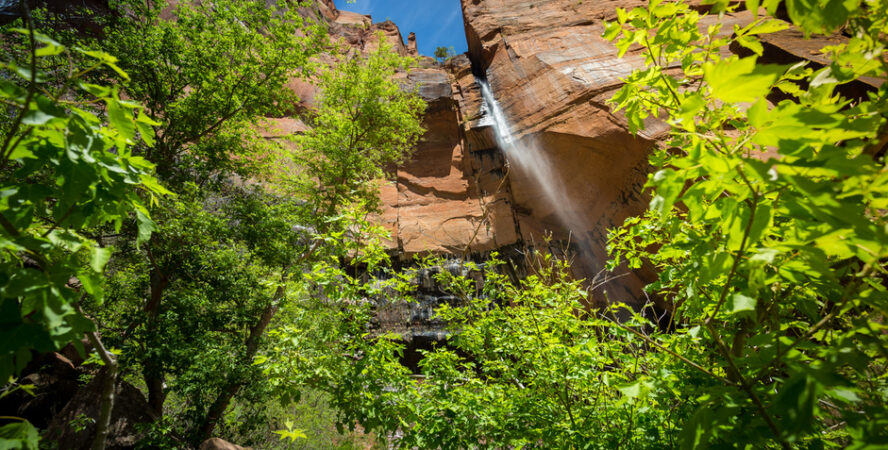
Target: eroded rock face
411, 44
445, 202
552, 74
449, 197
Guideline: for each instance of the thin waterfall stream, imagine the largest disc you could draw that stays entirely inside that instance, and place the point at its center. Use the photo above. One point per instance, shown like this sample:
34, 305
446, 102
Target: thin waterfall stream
532, 160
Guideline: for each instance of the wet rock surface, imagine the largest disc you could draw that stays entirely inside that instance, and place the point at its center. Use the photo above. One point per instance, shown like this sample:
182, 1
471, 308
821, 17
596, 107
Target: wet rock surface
552, 74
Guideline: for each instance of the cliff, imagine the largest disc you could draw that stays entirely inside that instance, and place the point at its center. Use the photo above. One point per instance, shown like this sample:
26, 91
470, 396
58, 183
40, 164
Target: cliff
551, 73
450, 197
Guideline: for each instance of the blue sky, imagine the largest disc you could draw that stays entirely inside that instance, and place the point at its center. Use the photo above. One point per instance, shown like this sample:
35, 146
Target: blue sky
437, 23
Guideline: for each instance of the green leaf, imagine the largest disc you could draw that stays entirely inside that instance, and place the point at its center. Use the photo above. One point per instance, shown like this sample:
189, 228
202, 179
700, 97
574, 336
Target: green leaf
735, 80
767, 26
632, 390
19, 435
44, 111
105, 59
690, 106
796, 402
739, 303
49, 50
820, 16
146, 226
752, 6
669, 184
121, 118
760, 223
99, 256
764, 255
94, 89
844, 394
752, 43
758, 113
93, 284
292, 435
145, 125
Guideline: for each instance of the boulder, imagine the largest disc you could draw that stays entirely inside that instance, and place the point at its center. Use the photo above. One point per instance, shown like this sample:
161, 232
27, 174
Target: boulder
130, 410
219, 444
55, 381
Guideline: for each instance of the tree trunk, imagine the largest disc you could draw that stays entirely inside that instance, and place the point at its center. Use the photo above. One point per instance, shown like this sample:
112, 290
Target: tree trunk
252, 346
107, 398
153, 370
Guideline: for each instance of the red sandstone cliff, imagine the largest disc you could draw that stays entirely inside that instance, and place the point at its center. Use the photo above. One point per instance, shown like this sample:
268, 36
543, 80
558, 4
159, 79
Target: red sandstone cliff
552, 74
446, 199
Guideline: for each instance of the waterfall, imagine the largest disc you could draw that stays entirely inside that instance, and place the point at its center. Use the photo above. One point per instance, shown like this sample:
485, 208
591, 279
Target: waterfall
532, 160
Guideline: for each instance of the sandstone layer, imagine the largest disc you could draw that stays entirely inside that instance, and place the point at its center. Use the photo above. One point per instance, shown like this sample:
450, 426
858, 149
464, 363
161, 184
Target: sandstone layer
552, 74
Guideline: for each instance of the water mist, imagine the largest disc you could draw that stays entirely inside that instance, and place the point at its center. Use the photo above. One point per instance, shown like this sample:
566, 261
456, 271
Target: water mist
532, 160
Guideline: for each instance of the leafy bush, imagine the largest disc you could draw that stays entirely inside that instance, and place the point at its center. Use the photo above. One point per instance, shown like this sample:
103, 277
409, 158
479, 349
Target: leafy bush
768, 220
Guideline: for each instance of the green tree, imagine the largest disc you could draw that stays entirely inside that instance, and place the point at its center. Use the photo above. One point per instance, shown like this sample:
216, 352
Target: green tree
444, 53
209, 75
198, 299
63, 172
206, 79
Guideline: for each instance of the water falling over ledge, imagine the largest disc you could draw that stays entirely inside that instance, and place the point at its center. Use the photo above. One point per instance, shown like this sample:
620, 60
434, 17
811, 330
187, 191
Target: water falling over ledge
532, 160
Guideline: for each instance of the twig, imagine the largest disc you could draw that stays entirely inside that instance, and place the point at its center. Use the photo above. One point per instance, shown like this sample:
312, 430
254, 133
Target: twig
667, 350
5, 150
107, 398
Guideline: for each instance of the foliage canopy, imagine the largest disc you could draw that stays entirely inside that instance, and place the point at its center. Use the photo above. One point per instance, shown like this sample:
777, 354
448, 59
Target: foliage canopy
187, 294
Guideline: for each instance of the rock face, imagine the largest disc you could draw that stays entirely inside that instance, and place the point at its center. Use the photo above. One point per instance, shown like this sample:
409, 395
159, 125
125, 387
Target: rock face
450, 197
446, 195
129, 411
66, 409
54, 378
552, 74
411, 44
